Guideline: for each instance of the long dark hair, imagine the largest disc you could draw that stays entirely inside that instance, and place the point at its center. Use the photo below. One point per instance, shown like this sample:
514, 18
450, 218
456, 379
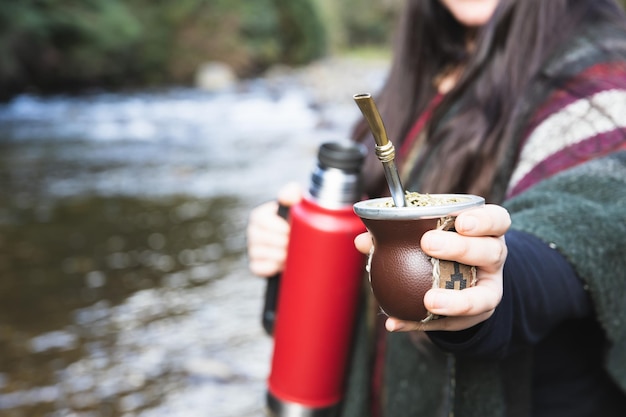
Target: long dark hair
469, 127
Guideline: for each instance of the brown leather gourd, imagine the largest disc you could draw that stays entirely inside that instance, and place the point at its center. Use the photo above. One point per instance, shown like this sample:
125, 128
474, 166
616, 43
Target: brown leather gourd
400, 272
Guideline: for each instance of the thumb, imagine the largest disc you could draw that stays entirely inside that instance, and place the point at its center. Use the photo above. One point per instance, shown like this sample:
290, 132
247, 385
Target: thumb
290, 194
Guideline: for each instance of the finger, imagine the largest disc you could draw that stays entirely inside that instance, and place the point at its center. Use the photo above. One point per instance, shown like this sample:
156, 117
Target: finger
267, 239
290, 194
445, 323
484, 297
363, 243
266, 243
462, 309
267, 256
488, 253
264, 267
489, 220
265, 220
268, 253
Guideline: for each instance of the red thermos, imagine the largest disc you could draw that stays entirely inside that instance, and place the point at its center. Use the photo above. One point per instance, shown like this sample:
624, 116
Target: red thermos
319, 290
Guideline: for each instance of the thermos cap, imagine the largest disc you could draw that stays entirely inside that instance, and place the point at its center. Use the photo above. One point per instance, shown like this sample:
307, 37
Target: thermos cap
347, 157
336, 181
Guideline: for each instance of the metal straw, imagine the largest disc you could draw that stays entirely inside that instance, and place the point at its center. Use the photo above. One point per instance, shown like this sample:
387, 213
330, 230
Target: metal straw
385, 150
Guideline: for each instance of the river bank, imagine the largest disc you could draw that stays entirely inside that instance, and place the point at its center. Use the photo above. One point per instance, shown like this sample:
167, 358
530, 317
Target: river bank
125, 289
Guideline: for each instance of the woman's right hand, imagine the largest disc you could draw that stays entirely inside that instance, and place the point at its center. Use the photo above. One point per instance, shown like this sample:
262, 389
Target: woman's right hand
268, 233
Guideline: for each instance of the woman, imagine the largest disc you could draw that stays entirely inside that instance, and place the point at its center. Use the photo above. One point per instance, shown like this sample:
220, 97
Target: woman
523, 102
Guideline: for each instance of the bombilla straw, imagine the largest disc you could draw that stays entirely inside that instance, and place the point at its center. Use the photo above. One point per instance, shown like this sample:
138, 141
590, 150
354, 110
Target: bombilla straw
385, 150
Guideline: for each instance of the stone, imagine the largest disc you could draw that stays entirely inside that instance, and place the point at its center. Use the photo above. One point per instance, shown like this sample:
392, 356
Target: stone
215, 76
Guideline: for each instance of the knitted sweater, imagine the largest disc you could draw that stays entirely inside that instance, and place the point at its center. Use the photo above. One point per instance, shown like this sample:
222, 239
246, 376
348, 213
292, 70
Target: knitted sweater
568, 188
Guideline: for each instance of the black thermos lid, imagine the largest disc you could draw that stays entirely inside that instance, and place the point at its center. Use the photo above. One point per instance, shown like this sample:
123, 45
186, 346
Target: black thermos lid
346, 156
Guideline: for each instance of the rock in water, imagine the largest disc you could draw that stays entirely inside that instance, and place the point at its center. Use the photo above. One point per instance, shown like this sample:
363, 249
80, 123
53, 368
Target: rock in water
215, 76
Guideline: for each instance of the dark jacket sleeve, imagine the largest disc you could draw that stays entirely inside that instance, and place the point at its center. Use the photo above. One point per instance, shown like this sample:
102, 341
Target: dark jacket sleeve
581, 214
541, 290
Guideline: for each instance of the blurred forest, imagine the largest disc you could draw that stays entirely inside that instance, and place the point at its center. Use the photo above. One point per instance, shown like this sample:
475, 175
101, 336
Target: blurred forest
68, 45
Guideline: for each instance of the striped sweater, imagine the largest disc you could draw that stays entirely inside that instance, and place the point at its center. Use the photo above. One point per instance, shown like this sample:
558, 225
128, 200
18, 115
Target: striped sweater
584, 120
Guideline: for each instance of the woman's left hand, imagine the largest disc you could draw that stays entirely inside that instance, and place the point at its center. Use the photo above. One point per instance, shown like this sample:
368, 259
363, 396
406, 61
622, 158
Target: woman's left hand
478, 241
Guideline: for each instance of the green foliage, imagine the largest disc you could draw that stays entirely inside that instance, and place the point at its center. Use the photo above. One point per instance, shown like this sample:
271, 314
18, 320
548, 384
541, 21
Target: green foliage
367, 22
50, 45
359, 23
259, 22
57, 41
303, 34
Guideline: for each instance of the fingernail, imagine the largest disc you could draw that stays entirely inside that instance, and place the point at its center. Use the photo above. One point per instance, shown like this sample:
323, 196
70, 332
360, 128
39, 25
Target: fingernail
394, 326
436, 300
434, 242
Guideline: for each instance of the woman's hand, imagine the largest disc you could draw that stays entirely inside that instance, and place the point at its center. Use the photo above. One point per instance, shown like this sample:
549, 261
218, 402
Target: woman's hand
268, 233
478, 241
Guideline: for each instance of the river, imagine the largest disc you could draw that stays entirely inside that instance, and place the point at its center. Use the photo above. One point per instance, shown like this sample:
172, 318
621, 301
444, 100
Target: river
124, 289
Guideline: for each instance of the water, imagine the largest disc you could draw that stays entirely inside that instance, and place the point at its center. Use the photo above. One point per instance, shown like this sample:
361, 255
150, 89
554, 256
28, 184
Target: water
124, 288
